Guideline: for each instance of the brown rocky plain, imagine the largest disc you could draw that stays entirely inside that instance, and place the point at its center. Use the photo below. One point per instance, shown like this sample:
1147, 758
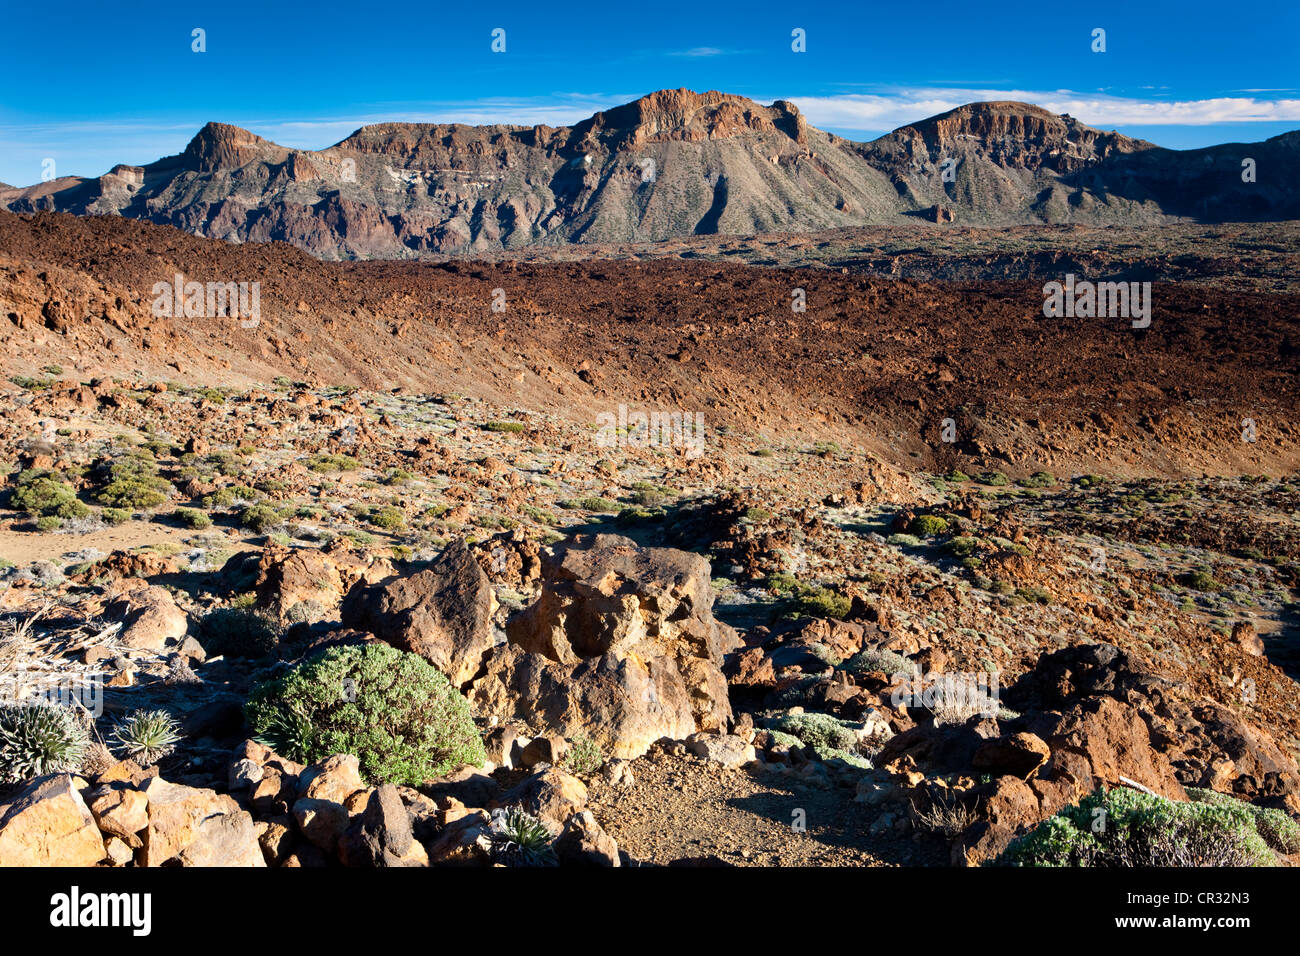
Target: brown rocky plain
672, 653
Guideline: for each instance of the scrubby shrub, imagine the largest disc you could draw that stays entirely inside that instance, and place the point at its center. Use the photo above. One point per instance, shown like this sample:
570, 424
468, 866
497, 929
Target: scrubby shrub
231, 495
782, 583
927, 526
1275, 827
957, 475
508, 427
1035, 595
332, 463
115, 515
962, 547
389, 518
592, 504
871, 659
1089, 481
996, 479
1201, 580
1039, 479
133, 482
49, 523
237, 632
583, 756
42, 492
193, 518
1138, 829
36, 739
260, 518
649, 497
818, 730
396, 712
147, 736
822, 602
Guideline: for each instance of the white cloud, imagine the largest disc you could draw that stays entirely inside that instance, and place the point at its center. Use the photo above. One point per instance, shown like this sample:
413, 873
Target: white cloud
898, 108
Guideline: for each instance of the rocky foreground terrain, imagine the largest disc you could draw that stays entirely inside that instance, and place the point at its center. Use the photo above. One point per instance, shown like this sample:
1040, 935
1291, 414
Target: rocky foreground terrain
667, 166
360, 586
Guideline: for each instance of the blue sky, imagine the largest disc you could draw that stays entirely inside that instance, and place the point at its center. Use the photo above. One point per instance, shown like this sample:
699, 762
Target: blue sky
90, 84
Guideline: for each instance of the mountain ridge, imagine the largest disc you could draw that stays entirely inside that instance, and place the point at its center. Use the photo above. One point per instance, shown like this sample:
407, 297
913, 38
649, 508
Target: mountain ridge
670, 164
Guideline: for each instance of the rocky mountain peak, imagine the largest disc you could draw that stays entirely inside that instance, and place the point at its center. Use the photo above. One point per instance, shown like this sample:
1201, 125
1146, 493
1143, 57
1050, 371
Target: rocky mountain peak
686, 116
222, 146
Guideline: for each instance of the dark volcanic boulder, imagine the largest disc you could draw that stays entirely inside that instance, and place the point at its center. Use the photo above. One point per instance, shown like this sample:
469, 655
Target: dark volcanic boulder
443, 613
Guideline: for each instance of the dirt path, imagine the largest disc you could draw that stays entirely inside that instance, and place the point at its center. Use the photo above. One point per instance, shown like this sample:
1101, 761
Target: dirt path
683, 809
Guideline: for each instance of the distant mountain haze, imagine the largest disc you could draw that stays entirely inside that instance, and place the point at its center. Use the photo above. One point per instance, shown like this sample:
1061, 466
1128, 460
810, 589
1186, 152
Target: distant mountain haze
674, 163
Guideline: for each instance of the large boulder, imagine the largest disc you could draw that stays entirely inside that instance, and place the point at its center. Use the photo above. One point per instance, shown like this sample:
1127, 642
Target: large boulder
1115, 742
621, 646
443, 613
150, 617
196, 827
48, 824
381, 835
550, 795
304, 579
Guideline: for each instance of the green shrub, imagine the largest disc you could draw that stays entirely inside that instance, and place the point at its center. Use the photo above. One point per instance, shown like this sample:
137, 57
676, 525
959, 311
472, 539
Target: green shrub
782, 583
956, 476
115, 515
592, 504
904, 541
389, 518
396, 712
49, 523
1089, 481
1275, 827
962, 547
43, 492
818, 730
823, 602
1039, 479
260, 518
509, 427
1201, 580
133, 482
927, 526
231, 495
1035, 595
583, 756
996, 479
537, 514
193, 518
237, 632
36, 739
332, 463
1135, 829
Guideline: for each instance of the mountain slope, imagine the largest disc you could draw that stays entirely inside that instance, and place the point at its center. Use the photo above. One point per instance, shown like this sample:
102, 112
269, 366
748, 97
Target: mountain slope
671, 164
